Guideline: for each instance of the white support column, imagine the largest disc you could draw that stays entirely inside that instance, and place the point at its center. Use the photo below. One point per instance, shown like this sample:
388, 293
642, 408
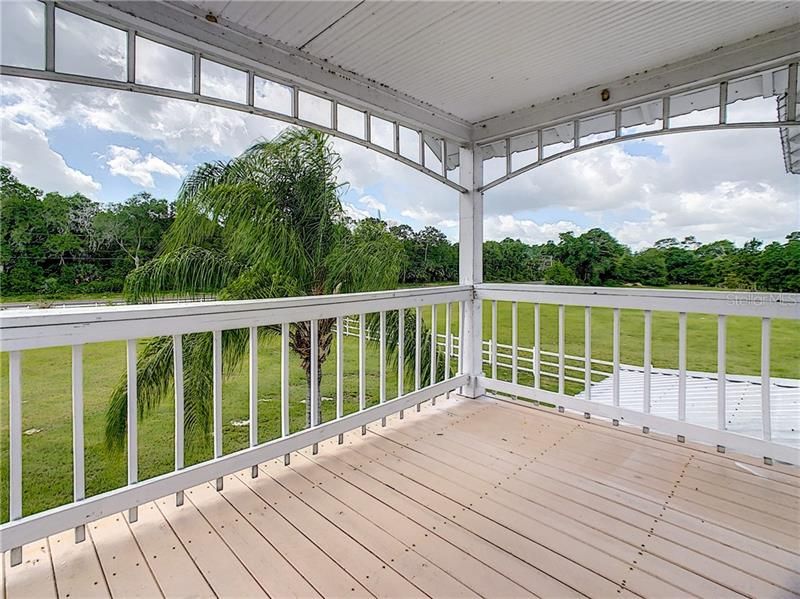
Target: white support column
470, 262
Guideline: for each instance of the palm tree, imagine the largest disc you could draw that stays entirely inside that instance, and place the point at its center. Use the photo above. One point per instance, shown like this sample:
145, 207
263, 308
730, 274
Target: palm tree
266, 224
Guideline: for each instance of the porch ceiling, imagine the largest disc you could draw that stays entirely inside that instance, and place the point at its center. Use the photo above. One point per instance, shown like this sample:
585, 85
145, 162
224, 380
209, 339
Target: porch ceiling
476, 60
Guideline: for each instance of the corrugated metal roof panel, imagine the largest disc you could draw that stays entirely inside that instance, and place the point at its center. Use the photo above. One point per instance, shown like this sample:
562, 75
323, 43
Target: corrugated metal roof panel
743, 393
479, 59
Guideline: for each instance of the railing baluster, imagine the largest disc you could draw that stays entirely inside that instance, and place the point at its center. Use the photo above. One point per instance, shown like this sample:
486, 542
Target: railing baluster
78, 474
217, 396
177, 369
561, 333
766, 412
615, 358
339, 367
682, 366
418, 351
434, 344
514, 341
314, 399
493, 353
362, 365
285, 423
587, 351
721, 374
537, 350
133, 441
401, 352
253, 380
648, 358
460, 337
340, 372
382, 359
15, 444
448, 340
362, 361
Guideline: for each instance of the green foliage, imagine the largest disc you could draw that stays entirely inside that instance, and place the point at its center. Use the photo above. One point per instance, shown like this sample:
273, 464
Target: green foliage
511, 260
54, 244
645, 268
558, 274
593, 257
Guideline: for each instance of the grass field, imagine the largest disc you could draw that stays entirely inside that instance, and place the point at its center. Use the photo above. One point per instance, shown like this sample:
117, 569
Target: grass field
46, 409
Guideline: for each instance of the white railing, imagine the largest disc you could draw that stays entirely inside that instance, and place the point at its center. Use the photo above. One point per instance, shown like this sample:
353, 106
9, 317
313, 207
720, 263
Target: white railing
639, 408
22, 330
549, 377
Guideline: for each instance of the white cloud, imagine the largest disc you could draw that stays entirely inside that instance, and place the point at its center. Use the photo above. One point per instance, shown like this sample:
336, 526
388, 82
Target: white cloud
179, 127
130, 163
373, 203
26, 151
725, 184
354, 212
29, 101
506, 225
422, 215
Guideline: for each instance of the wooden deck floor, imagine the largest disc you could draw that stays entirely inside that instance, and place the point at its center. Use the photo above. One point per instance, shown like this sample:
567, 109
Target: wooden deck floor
467, 498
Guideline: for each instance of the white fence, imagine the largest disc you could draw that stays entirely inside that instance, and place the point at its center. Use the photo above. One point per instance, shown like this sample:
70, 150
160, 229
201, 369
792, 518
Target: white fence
22, 330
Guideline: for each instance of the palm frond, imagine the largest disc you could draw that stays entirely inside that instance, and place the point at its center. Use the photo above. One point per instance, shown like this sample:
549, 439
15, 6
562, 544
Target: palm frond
189, 271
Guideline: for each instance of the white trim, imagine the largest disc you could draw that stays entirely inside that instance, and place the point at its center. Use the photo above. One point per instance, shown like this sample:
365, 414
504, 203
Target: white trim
196, 97
634, 136
730, 303
27, 329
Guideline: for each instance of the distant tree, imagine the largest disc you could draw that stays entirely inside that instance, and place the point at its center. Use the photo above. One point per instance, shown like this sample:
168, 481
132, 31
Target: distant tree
136, 226
558, 274
682, 266
593, 256
511, 260
778, 266
690, 243
667, 242
645, 268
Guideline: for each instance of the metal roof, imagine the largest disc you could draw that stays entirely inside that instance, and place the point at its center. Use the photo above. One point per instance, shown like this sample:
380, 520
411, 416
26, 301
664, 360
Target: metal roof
476, 60
743, 394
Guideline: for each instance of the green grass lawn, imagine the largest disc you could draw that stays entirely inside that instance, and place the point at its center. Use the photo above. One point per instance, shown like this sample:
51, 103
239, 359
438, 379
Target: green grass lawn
47, 454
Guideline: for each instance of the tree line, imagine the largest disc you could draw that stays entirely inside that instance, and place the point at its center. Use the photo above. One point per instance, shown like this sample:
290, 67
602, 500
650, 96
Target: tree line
53, 244
56, 244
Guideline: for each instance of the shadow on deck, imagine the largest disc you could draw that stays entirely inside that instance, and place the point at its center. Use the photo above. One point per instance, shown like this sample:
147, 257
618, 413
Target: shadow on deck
467, 498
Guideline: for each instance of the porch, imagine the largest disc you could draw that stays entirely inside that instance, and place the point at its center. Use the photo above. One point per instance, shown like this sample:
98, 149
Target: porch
458, 460
465, 498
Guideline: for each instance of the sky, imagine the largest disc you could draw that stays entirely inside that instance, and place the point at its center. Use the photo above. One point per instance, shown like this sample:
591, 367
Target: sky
109, 145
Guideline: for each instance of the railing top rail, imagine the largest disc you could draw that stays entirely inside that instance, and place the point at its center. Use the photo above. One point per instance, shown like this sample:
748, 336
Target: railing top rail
28, 329
734, 303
